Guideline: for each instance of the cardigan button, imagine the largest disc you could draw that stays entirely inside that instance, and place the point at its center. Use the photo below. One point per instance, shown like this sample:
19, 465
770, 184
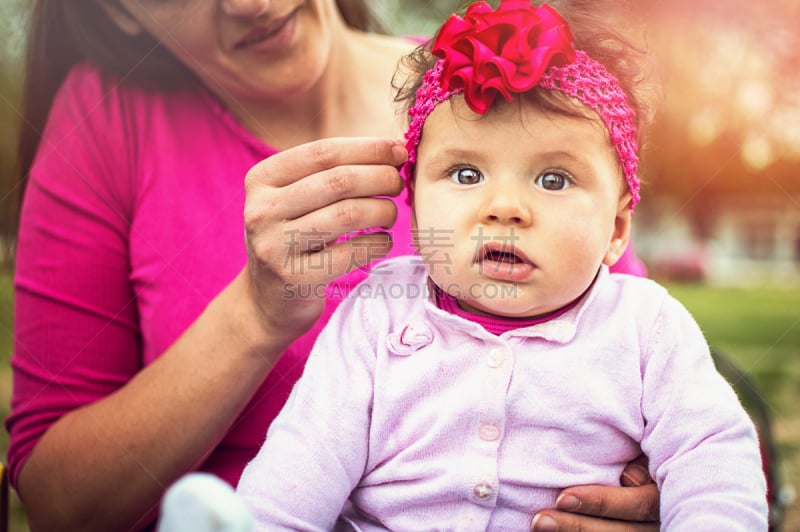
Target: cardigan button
483, 491
496, 358
489, 432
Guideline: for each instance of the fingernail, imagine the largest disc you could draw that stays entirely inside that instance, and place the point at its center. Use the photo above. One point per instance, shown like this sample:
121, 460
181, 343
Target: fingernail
544, 523
399, 152
636, 475
567, 502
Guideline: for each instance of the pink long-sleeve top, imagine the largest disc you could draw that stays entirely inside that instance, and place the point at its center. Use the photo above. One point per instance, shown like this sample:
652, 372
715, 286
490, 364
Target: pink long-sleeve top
131, 224
412, 418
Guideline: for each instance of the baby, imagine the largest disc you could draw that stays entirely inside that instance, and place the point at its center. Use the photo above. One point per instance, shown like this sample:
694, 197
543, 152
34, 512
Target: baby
461, 389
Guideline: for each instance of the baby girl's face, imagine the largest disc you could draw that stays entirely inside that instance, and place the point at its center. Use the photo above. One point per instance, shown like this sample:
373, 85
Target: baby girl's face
515, 210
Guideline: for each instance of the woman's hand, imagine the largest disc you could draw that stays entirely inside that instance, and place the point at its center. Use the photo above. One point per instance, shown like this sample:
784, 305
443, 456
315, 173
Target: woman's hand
298, 203
632, 507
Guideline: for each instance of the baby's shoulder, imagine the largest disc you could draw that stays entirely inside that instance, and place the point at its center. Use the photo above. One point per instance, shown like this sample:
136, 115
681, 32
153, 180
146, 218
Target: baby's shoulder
404, 267
394, 285
394, 291
635, 295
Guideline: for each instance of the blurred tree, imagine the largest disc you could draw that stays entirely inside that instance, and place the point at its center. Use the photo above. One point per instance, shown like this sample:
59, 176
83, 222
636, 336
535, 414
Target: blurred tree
415, 17
13, 24
730, 121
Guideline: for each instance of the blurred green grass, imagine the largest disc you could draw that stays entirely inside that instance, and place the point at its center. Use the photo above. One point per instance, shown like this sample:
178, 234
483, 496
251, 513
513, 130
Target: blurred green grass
6, 336
17, 521
757, 328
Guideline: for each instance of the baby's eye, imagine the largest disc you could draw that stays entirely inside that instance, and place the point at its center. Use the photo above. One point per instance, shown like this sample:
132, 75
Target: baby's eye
553, 181
465, 176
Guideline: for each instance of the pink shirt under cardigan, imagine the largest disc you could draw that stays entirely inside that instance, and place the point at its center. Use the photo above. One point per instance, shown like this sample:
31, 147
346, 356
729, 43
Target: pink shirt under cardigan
421, 420
131, 224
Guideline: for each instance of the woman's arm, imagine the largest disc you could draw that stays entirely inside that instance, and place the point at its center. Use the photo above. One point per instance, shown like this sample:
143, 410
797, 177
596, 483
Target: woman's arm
104, 465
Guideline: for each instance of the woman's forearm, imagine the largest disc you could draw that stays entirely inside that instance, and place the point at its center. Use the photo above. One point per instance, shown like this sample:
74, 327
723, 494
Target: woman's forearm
105, 466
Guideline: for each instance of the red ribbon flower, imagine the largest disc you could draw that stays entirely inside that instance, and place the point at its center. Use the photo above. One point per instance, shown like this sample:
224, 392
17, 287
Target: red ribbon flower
504, 51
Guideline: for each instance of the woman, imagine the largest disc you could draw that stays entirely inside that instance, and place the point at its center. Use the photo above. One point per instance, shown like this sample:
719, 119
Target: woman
149, 342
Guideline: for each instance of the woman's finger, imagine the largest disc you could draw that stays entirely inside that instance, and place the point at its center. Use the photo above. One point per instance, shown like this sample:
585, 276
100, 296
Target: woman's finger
292, 249
313, 271
554, 521
636, 473
638, 504
290, 165
273, 241
327, 187
344, 217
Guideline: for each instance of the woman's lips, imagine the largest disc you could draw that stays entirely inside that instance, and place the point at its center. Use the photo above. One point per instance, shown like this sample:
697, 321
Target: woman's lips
269, 38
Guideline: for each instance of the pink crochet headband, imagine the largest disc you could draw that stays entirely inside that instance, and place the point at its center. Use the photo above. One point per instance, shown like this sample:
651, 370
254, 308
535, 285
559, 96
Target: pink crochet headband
512, 50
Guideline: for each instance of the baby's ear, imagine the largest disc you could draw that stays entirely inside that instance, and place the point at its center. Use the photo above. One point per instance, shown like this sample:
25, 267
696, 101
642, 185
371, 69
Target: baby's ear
622, 231
120, 16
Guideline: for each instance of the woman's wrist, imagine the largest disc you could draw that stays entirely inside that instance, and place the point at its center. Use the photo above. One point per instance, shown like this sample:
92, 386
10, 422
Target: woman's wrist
245, 321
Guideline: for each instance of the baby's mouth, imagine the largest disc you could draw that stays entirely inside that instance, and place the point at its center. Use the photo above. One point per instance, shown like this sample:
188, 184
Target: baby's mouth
501, 256
503, 263
501, 253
